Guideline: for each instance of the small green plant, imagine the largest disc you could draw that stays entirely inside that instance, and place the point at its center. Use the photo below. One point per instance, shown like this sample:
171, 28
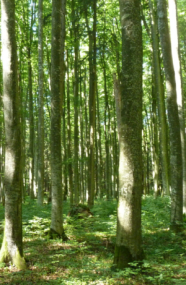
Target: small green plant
87, 256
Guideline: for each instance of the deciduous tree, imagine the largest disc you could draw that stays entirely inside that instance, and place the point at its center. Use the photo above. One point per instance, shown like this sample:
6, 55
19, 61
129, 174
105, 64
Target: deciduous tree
173, 118
12, 248
128, 239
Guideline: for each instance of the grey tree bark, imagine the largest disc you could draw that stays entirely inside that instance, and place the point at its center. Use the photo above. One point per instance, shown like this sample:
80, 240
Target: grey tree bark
40, 111
128, 239
178, 78
31, 117
75, 26
92, 103
12, 249
69, 147
159, 93
173, 118
56, 109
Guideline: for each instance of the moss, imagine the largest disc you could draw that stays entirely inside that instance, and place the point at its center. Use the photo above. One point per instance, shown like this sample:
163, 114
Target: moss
123, 257
19, 261
5, 257
176, 228
4, 254
54, 235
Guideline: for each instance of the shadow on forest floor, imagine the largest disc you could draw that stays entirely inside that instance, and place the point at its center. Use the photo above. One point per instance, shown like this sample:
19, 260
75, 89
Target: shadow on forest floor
86, 258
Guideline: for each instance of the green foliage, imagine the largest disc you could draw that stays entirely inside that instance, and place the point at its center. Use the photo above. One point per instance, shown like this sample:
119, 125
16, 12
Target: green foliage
87, 257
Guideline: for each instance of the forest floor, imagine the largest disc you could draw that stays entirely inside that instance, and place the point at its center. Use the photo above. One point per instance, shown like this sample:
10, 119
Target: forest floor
87, 257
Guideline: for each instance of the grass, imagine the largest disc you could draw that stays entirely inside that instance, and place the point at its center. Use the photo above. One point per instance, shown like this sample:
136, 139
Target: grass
87, 257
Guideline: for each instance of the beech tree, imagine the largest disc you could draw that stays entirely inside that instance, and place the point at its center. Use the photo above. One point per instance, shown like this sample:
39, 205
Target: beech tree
41, 112
56, 111
159, 96
175, 48
12, 248
176, 173
128, 239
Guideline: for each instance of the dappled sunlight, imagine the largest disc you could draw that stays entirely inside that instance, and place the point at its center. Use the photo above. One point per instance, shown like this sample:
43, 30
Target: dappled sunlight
124, 216
86, 258
10, 164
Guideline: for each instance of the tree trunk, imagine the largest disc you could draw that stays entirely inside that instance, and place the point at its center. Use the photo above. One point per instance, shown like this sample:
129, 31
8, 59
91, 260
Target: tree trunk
63, 35
155, 147
75, 26
40, 111
56, 109
31, 117
100, 156
107, 134
92, 105
2, 194
178, 79
173, 118
128, 239
12, 249
69, 147
161, 102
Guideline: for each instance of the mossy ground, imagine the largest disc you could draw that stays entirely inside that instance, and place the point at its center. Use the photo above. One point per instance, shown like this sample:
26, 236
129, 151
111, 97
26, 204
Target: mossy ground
87, 257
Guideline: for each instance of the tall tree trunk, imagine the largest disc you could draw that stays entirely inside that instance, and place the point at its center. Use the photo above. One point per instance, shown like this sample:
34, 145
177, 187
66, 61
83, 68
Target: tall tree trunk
116, 160
92, 106
69, 147
161, 102
178, 79
82, 162
106, 133
56, 109
2, 194
41, 112
128, 239
86, 137
12, 249
155, 146
76, 124
174, 124
63, 34
75, 25
100, 156
31, 117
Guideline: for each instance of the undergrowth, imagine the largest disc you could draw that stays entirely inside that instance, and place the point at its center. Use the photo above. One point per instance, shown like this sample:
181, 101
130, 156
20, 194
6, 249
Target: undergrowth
87, 256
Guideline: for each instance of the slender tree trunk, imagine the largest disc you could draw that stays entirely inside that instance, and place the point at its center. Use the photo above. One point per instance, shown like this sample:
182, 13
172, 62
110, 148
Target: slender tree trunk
161, 102
106, 133
12, 249
63, 34
35, 166
116, 160
41, 112
92, 106
128, 239
87, 137
82, 136
56, 109
69, 147
178, 79
99, 146
76, 102
76, 124
31, 117
155, 146
2, 194
174, 124
64, 168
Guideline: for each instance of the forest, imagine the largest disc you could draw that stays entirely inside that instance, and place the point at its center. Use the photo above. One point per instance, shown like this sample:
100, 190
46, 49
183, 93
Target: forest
92, 142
